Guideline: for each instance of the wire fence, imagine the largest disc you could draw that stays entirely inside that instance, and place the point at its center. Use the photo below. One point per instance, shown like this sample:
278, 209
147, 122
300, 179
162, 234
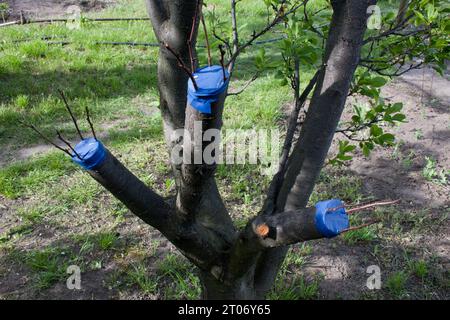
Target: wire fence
50, 41
24, 21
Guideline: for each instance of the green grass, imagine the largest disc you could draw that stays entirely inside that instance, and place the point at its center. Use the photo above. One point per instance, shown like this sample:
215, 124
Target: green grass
30, 175
396, 284
419, 268
48, 265
138, 275
360, 235
299, 289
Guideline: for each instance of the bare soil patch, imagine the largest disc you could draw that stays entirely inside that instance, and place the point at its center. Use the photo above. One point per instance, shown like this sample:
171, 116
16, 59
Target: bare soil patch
33, 9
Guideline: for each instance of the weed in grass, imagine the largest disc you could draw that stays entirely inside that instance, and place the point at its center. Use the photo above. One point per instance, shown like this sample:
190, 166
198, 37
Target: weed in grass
169, 185
81, 189
49, 265
396, 283
184, 284
184, 287
87, 246
173, 263
295, 258
34, 49
138, 275
419, 268
89, 242
32, 215
417, 221
407, 161
95, 265
433, 174
360, 235
299, 289
107, 240
22, 101
418, 133
16, 232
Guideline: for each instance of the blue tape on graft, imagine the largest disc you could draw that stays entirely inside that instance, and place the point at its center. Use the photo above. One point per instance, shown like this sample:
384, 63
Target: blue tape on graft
92, 153
210, 85
330, 223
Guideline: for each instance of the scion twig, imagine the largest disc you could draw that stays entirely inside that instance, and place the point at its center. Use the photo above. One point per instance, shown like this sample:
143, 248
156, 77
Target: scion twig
60, 137
182, 65
71, 114
372, 205
191, 37
222, 55
245, 86
88, 118
31, 126
206, 40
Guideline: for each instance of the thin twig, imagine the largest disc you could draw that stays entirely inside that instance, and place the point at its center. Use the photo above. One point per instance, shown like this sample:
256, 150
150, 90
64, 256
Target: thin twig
360, 226
245, 86
88, 118
71, 114
206, 40
29, 125
222, 55
182, 65
234, 26
191, 37
60, 137
371, 205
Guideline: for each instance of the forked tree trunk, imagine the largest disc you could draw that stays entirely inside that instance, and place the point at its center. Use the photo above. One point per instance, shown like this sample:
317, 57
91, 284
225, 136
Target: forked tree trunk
237, 264
241, 289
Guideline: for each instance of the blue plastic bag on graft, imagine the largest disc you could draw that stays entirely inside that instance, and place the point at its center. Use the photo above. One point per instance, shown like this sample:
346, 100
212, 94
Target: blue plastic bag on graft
331, 218
92, 153
210, 85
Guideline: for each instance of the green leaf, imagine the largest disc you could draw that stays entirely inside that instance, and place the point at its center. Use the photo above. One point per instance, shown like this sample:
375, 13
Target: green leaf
378, 82
375, 130
399, 117
387, 138
365, 150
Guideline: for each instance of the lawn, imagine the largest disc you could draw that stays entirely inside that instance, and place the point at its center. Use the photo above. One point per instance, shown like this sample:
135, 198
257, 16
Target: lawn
53, 215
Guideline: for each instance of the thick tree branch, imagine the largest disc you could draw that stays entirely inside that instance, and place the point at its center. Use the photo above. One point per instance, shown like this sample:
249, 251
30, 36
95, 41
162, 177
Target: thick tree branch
304, 165
300, 101
271, 231
197, 242
158, 12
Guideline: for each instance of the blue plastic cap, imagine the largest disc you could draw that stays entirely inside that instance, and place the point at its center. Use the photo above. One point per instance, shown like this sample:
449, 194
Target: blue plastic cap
331, 218
210, 85
92, 153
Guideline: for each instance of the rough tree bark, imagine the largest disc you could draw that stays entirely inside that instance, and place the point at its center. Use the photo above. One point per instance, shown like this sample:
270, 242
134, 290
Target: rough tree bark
237, 264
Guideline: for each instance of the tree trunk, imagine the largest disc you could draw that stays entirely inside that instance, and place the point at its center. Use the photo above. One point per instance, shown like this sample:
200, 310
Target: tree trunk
237, 264
342, 54
241, 289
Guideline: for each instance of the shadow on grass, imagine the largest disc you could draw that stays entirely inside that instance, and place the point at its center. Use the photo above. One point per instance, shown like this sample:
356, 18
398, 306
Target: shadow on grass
107, 93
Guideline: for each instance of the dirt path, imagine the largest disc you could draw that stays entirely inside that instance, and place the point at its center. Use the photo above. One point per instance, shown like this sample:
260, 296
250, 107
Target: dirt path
399, 172
33, 9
